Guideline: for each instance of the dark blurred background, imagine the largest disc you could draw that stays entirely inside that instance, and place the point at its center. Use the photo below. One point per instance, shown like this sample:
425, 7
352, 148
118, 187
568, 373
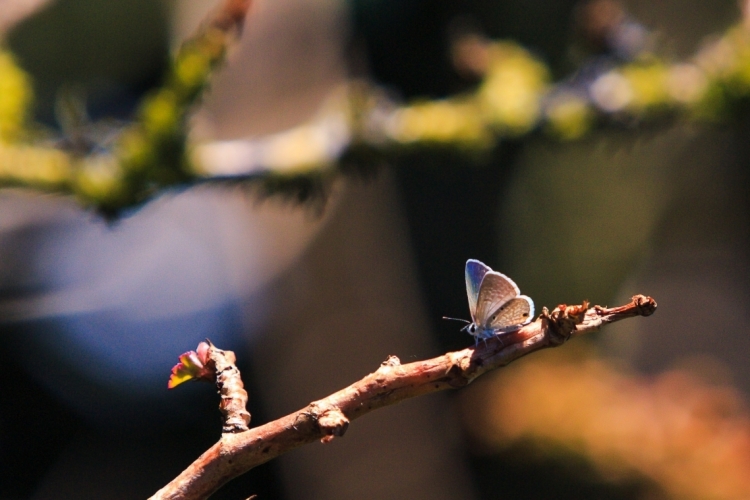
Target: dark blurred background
94, 314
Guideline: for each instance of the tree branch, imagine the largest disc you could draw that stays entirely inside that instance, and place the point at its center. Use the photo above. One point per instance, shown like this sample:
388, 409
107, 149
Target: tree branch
236, 453
231, 389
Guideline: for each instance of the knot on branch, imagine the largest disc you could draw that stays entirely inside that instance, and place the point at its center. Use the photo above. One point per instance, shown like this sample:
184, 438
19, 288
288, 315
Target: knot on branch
562, 321
331, 421
461, 370
231, 389
386, 368
391, 361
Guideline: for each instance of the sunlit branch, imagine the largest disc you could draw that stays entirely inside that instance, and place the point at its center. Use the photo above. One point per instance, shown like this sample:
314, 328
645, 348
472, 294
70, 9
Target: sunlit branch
327, 418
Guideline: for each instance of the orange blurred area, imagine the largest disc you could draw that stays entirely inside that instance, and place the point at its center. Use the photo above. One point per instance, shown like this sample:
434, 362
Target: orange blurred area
690, 437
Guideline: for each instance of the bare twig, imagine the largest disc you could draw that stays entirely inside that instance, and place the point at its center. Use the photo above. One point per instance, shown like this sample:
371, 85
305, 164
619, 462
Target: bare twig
392, 383
233, 395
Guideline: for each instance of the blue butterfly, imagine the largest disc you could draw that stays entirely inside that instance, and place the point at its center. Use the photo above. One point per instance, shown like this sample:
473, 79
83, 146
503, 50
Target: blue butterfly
495, 302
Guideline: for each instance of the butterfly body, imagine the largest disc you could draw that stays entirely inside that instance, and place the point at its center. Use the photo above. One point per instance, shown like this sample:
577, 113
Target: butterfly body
495, 302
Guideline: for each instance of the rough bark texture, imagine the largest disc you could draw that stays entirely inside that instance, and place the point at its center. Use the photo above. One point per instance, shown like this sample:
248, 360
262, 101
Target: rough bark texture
233, 405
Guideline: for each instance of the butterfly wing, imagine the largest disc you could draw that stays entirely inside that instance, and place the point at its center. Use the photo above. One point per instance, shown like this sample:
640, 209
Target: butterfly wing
475, 272
495, 291
516, 312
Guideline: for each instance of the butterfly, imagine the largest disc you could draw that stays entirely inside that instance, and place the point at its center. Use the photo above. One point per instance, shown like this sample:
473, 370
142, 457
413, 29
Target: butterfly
495, 302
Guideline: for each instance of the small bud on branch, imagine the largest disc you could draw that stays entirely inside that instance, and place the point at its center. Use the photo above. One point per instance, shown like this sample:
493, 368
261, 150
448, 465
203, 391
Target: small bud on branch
192, 366
208, 363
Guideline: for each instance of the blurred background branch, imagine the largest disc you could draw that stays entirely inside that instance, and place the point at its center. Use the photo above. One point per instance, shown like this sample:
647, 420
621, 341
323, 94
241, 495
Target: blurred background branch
620, 81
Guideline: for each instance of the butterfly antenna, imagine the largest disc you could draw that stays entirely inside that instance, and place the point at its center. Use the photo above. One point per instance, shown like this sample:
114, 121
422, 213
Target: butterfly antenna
457, 319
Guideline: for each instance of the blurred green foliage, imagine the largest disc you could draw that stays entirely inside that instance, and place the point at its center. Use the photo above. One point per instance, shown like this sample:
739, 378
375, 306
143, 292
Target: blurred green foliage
15, 98
514, 98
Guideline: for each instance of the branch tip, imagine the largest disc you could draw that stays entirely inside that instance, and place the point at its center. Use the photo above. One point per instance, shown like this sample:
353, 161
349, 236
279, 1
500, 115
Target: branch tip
645, 305
640, 305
